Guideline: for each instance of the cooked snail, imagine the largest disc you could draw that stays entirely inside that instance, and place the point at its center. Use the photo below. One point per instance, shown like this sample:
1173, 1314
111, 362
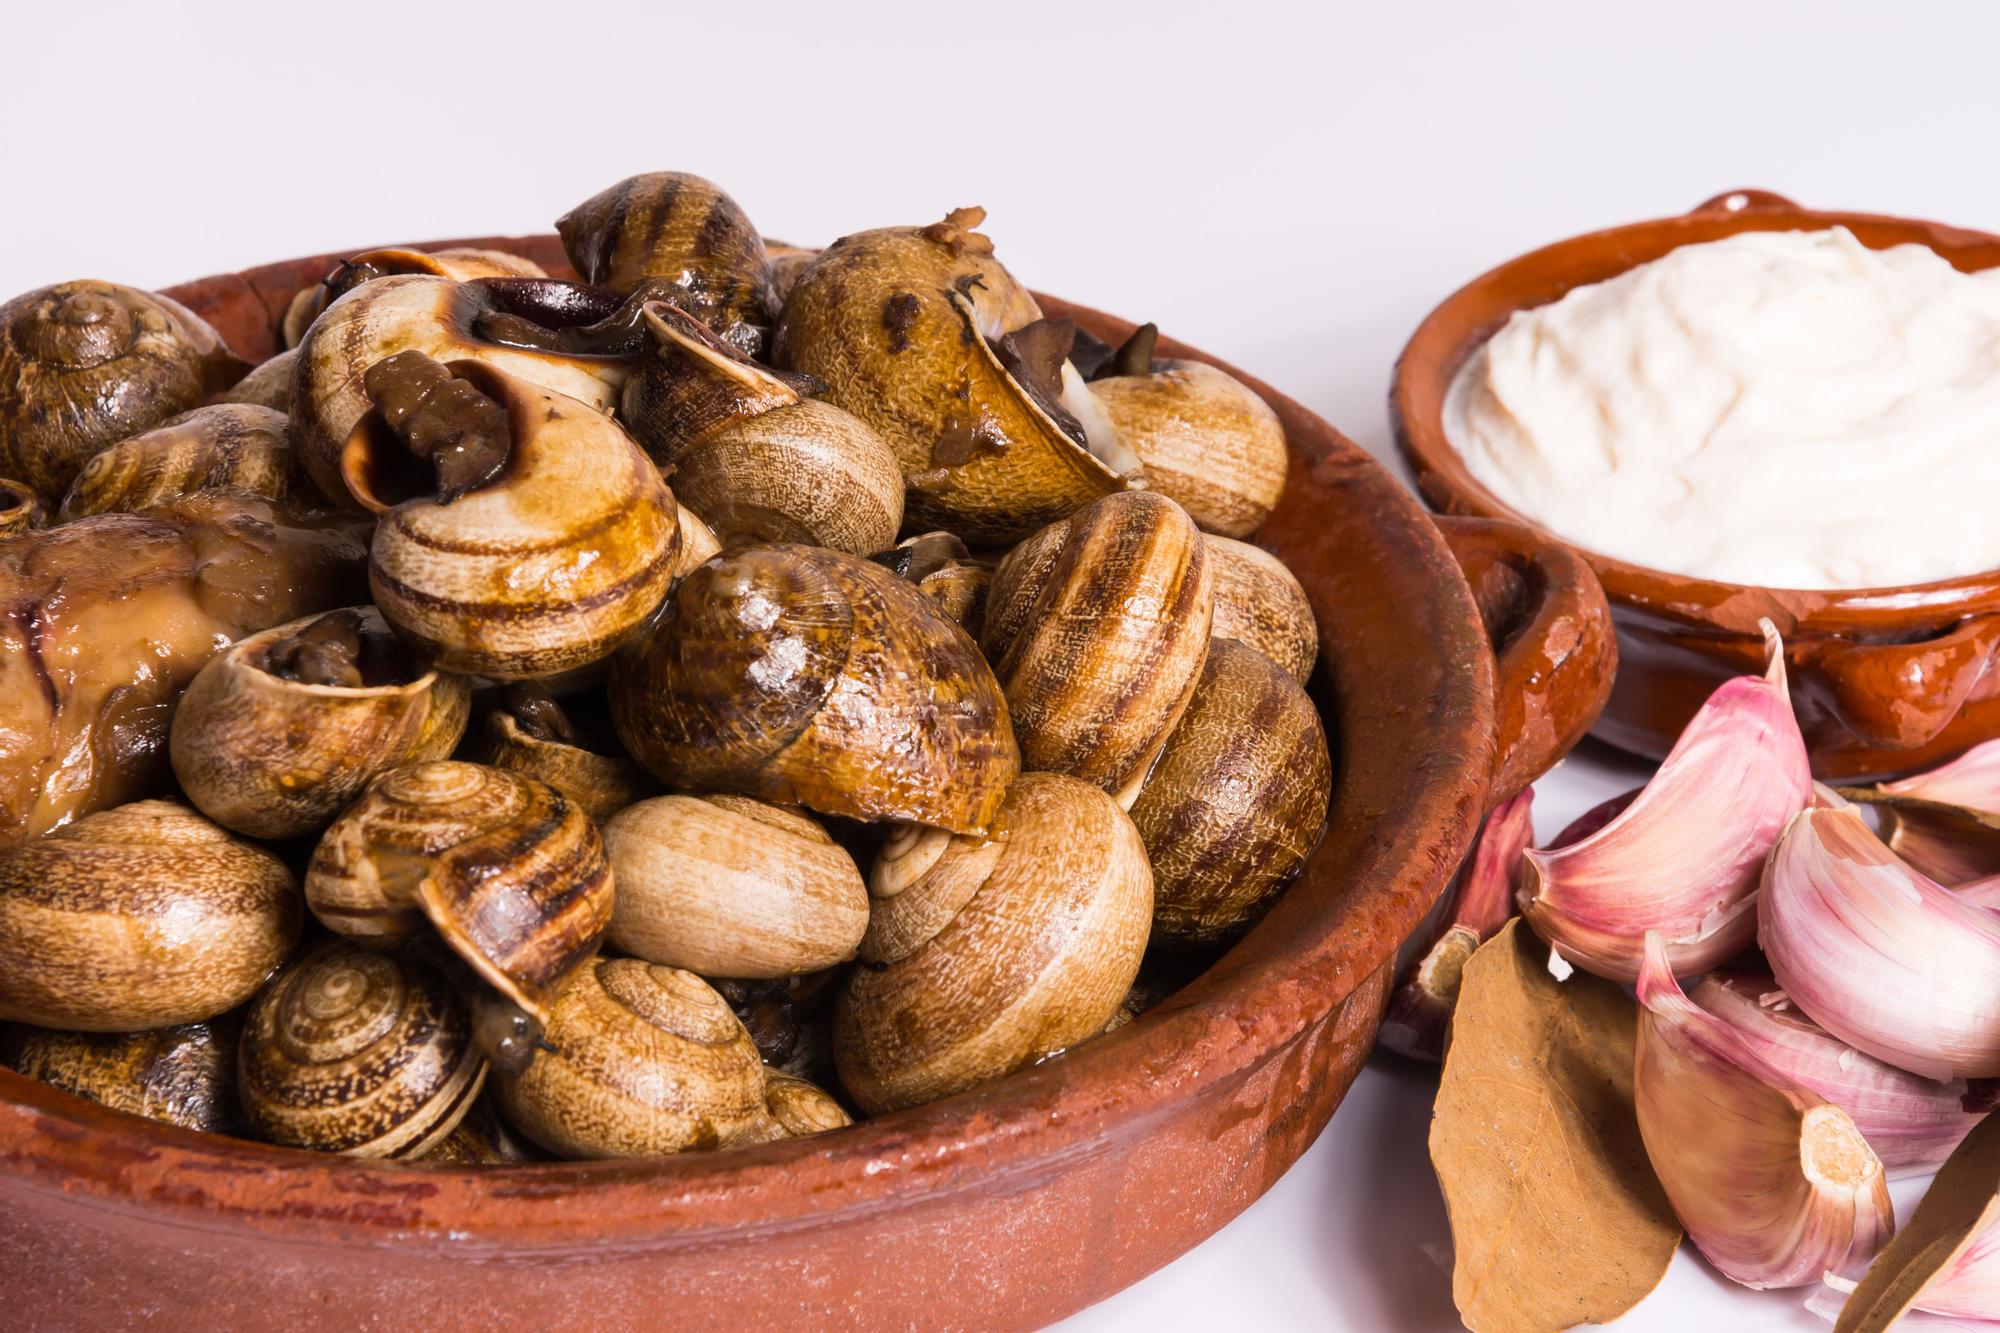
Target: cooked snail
645, 1060
1098, 632
945, 571
84, 364
228, 447
698, 542
1206, 439
505, 869
357, 1052
1259, 603
522, 533
183, 1075
750, 455
139, 917
112, 616
269, 383
812, 677
794, 1109
982, 955
529, 733
1237, 800
481, 1139
921, 333
282, 729
678, 236
459, 263
729, 886
20, 508
787, 262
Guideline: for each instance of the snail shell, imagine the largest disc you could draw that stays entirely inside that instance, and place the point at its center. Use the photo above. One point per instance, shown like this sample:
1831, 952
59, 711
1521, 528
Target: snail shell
530, 734
282, 729
20, 508
419, 313
183, 1075
356, 1052
982, 955
269, 383
139, 917
945, 572
459, 263
1098, 632
752, 457
698, 542
787, 262
794, 1109
811, 677
1206, 439
481, 1139
543, 566
228, 447
897, 323
84, 364
685, 236
1237, 801
505, 868
1259, 603
728, 886
646, 1060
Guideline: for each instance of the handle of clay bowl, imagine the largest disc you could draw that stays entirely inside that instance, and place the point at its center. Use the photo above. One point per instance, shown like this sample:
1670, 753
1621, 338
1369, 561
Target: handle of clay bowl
1552, 639
1897, 696
1747, 201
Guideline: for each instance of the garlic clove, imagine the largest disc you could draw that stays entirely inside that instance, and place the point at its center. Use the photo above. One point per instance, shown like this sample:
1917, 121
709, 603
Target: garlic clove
1972, 780
1481, 901
1684, 857
1774, 1184
1912, 1123
1879, 955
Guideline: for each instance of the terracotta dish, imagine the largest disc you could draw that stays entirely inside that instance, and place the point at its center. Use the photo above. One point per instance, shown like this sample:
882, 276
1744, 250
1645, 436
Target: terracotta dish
1006, 1207
1884, 679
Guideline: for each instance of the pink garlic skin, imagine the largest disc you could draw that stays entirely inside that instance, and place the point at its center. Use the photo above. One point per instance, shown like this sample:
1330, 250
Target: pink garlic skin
1969, 1286
1972, 779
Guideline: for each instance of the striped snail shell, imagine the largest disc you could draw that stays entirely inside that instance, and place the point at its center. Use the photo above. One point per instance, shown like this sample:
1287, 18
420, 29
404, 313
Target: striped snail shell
1097, 632
529, 733
226, 447
986, 954
182, 1075
84, 364
944, 571
811, 677
20, 507
357, 1052
282, 729
793, 1109
481, 1139
506, 869
683, 237
787, 262
459, 263
522, 534
645, 1060
1260, 604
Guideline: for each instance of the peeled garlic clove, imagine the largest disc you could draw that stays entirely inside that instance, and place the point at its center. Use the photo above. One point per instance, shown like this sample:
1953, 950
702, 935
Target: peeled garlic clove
1483, 900
1883, 958
1683, 859
1912, 1123
1774, 1184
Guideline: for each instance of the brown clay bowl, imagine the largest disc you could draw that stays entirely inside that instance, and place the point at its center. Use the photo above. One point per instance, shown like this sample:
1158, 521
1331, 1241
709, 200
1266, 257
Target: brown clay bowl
1884, 679
1006, 1207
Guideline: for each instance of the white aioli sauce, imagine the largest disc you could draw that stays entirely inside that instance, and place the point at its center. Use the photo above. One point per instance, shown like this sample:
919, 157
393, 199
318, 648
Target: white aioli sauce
1787, 409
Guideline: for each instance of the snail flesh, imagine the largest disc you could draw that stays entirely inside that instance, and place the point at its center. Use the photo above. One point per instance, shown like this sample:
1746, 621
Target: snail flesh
459, 263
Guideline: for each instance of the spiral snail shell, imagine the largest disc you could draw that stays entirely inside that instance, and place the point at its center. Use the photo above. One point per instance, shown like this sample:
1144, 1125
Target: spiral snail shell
787, 262
1259, 603
139, 917
357, 1052
793, 1109
458, 262
983, 955
645, 1060
84, 364
529, 733
756, 460
540, 540
227, 447
812, 677
282, 729
504, 868
944, 571
183, 1075
20, 508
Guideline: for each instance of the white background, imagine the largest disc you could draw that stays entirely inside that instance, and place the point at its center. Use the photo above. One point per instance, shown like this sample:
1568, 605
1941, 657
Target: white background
1290, 190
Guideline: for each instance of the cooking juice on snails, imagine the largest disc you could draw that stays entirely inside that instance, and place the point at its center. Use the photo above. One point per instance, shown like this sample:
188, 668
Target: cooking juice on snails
687, 703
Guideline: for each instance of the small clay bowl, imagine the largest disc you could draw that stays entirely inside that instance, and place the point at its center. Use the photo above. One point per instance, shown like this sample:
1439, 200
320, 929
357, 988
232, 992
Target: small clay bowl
1007, 1207
1884, 679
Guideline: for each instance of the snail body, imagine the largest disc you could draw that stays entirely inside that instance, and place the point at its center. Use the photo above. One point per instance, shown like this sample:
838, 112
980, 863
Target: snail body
183, 1075
139, 917
530, 733
1260, 603
226, 447
811, 677
85, 364
457, 262
983, 955
282, 729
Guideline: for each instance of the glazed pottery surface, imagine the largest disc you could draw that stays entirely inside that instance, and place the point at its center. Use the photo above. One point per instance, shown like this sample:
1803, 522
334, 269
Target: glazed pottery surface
1884, 679
1006, 1207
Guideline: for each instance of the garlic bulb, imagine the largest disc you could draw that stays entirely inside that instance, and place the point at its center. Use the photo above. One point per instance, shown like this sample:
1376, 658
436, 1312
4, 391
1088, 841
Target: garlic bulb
1773, 1183
1683, 859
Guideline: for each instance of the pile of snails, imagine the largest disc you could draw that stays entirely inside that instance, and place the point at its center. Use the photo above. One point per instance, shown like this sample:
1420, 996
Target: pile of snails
679, 708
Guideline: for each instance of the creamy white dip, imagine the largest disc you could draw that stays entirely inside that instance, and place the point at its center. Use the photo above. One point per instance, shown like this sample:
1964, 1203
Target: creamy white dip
1788, 409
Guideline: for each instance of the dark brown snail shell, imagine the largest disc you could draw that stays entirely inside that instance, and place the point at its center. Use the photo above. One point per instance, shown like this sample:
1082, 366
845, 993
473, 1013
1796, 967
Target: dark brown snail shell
529, 733
183, 1075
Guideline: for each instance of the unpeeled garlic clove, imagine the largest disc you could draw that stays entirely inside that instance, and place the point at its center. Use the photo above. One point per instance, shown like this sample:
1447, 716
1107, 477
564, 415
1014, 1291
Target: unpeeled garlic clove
1972, 780
1911, 1122
1879, 955
1482, 901
1683, 858
1945, 822
1774, 1184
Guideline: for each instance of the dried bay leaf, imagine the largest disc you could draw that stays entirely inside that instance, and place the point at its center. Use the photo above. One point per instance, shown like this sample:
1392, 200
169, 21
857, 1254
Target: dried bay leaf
1962, 1199
1556, 1216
